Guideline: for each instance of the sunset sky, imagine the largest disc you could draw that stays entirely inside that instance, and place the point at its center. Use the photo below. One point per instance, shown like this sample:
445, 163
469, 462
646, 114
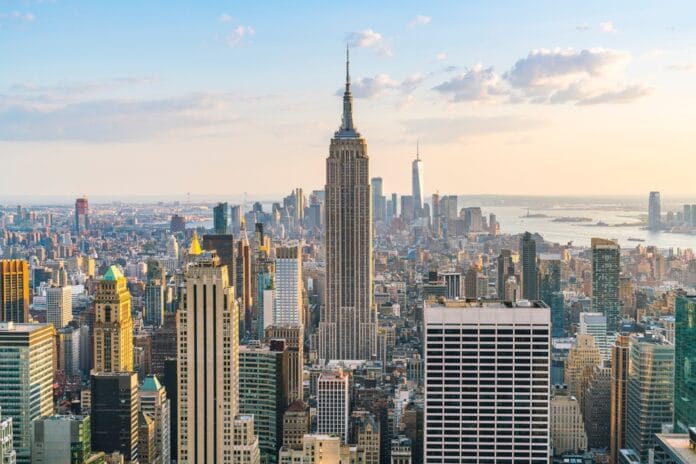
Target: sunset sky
157, 98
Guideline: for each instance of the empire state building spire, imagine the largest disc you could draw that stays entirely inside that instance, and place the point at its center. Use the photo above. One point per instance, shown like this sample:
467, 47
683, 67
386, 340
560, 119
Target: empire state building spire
347, 129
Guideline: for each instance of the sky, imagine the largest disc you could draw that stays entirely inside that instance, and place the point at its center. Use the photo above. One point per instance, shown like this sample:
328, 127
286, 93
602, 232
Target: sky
222, 97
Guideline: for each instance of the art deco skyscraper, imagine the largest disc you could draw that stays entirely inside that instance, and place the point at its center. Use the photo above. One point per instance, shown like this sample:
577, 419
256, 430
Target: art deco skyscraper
417, 184
348, 323
208, 359
113, 325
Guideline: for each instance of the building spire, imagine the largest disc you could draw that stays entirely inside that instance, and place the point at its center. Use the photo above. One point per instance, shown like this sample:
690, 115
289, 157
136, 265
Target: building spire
347, 119
417, 150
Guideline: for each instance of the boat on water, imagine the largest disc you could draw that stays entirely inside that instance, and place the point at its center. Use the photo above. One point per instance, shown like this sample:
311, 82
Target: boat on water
634, 239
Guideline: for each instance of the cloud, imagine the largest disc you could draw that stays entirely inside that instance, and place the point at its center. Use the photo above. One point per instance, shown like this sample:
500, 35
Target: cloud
419, 20
372, 87
449, 130
582, 27
225, 18
109, 120
369, 39
627, 94
554, 68
686, 67
440, 56
239, 35
411, 83
18, 16
476, 84
608, 27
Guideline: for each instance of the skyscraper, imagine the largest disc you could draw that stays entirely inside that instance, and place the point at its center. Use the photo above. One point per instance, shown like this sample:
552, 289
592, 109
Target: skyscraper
293, 334
684, 355
220, 219
26, 379
654, 218
649, 392
59, 306
379, 202
530, 270
81, 215
263, 391
61, 439
153, 303
619, 379
333, 405
113, 325
288, 286
14, 290
487, 380
348, 322
208, 364
154, 402
506, 269
606, 267
223, 244
115, 413
417, 184
595, 324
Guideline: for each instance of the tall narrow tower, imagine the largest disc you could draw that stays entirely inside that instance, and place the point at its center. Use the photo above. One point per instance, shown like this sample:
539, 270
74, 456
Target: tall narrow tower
348, 323
417, 184
113, 326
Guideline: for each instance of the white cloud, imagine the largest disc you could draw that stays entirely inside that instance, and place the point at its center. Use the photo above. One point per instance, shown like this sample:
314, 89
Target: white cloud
372, 87
369, 39
419, 20
476, 84
18, 16
239, 34
225, 18
608, 27
440, 56
411, 83
627, 94
553, 69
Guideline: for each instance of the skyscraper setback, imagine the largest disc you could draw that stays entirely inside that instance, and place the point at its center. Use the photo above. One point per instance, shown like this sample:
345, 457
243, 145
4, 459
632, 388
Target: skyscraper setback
348, 327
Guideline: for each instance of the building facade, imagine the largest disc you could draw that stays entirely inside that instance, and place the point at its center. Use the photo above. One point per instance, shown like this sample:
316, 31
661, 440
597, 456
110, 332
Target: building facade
606, 267
348, 321
113, 325
14, 290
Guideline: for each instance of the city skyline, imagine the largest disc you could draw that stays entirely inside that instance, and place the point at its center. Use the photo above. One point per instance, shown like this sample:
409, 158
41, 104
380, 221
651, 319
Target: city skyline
584, 92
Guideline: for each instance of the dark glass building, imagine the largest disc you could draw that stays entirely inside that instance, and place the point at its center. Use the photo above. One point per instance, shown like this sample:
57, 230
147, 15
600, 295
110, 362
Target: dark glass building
606, 267
530, 271
684, 355
115, 413
220, 218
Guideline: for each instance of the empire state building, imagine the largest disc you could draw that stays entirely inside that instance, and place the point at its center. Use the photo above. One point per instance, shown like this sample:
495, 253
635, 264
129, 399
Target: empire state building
348, 322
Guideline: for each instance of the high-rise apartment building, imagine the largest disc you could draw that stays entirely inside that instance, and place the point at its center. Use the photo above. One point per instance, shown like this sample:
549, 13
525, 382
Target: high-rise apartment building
220, 218
26, 379
153, 303
530, 270
379, 202
115, 413
649, 392
287, 299
606, 267
81, 216
417, 184
333, 405
154, 402
596, 414
263, 391
59, 306
684, 355
68, 350
487, 381
113, 325
654, 214
348, 321
14, 290
619, 381
208, 364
